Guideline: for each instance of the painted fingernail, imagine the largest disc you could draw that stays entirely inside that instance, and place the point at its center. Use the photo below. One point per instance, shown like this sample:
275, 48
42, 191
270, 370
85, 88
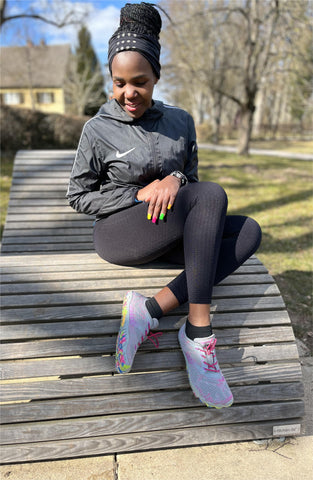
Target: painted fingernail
169, 206
154, 220
162, 215
149, 216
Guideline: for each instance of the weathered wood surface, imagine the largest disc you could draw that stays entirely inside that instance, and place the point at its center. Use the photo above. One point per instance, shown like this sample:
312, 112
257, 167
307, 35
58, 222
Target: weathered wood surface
61, 308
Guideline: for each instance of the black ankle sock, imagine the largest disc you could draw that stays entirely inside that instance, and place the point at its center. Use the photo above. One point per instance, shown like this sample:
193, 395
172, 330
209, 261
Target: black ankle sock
193, 332
154, 308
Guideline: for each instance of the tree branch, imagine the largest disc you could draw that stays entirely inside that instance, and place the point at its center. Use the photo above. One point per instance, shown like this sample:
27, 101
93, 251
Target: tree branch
228, 95
72, 17
65, 21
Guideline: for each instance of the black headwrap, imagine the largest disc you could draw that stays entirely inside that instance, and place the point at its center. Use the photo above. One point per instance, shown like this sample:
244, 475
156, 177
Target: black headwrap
139, 29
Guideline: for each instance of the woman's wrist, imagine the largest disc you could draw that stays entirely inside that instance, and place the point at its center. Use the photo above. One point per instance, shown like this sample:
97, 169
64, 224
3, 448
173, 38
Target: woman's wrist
180, 176
136, 197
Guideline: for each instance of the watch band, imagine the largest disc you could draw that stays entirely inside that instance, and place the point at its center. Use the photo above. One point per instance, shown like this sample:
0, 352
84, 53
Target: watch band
183, 179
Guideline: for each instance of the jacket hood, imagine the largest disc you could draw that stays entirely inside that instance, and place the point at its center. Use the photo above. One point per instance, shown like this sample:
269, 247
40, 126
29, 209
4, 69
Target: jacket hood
114, 110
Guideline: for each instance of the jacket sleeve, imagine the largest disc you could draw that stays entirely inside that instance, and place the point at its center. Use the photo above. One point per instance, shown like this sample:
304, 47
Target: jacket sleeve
191, 165
88, 192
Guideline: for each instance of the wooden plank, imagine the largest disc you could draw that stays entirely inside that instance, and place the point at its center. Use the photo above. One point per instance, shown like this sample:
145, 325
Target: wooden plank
83, 260
40, 210
114, 292
46, 277
133, 402
129, 283
9, 291
56, 232
67, 214
108, 384
103, 310
52, 182
68, 329
42, 154
36, 278
32, 165
29, 187
46, 224
51, 240
106, 345
31, 169
99, 265
30, 202
97, 365
146, 422
67, 247
79, 259
43, 174
141, 441
30, 194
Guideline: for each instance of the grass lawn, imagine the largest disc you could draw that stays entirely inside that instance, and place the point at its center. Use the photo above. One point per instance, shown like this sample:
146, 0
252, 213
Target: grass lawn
5, 184
290, 146
278, 194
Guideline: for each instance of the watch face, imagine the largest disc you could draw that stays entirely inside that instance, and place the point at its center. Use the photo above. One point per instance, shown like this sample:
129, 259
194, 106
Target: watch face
181, 176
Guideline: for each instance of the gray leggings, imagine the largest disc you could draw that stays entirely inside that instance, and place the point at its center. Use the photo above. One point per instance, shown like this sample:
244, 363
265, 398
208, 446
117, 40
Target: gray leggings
196, 234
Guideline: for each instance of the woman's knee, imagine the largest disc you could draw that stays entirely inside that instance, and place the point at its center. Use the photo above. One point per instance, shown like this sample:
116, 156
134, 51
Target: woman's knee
214, 192
254, 233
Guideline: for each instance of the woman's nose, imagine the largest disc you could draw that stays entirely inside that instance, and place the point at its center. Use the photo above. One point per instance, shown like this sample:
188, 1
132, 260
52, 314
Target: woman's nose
130, 91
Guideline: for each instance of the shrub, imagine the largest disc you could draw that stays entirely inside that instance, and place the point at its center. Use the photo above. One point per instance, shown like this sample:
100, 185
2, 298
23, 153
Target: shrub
27, 129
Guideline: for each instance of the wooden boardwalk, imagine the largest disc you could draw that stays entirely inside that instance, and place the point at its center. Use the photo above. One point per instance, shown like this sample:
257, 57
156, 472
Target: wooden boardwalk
61, 306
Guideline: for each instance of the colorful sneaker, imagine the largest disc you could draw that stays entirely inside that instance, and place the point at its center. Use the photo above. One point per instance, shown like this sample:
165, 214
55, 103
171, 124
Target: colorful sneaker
134, 329
205, 376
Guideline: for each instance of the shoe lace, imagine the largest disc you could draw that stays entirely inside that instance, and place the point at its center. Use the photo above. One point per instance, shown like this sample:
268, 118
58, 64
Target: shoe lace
209, 350
153, 337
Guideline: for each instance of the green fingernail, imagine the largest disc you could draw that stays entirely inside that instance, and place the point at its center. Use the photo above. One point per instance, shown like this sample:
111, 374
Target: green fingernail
162, 215
149, 216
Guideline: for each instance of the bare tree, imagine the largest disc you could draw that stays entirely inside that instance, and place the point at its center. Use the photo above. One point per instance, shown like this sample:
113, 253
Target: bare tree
80, 88
246, 42
84, 86
55, 12
193, 63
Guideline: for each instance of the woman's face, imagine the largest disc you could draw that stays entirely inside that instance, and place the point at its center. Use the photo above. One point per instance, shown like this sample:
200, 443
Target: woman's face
133, 82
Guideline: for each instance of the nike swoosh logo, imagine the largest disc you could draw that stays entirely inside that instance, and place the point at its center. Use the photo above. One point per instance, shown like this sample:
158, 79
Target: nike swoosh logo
120, 155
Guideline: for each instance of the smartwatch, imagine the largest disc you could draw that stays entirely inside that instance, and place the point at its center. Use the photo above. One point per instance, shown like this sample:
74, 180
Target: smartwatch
183, 179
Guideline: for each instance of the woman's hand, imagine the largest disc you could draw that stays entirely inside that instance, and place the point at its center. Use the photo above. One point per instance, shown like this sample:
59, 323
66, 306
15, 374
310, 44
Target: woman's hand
160, 195
144, 194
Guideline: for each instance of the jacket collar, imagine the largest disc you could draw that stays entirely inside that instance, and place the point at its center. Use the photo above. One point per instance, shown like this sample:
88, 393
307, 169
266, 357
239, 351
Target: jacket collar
114, 109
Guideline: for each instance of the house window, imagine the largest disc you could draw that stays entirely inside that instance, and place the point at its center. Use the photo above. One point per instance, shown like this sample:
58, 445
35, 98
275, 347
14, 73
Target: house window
13, 98
45, 97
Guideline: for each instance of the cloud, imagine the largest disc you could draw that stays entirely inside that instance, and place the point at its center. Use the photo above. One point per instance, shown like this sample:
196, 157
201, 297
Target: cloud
101, 23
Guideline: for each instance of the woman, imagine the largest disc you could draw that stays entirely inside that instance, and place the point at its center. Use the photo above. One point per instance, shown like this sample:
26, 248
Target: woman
136, 170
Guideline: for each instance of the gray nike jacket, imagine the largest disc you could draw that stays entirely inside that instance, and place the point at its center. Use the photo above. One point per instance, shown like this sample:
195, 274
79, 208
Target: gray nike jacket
117, 155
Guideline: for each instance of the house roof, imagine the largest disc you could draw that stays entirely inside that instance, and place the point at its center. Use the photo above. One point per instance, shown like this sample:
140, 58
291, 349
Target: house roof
34, 65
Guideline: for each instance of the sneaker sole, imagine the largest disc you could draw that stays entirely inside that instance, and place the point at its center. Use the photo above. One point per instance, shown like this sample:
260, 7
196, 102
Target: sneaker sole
126, 302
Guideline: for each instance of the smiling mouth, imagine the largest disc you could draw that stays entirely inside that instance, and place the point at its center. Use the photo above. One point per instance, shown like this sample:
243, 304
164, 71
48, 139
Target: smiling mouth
132, 107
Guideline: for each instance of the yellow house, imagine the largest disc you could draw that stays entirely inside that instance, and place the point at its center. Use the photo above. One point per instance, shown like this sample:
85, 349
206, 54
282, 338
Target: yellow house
33, 77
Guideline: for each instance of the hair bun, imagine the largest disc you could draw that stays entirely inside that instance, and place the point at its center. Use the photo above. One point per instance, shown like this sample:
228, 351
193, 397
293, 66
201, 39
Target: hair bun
140, 18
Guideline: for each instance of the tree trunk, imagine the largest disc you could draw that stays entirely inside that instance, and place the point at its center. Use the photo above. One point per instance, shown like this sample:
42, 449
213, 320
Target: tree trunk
258, 119
245, 129
217, 112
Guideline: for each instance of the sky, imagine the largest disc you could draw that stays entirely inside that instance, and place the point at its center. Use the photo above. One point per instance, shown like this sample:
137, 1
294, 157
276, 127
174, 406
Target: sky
102, 20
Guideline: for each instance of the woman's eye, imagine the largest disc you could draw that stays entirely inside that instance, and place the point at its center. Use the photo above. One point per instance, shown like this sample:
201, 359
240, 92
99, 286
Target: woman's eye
137, 84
